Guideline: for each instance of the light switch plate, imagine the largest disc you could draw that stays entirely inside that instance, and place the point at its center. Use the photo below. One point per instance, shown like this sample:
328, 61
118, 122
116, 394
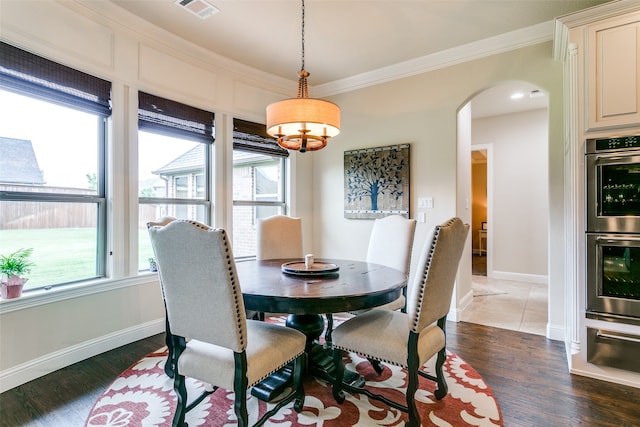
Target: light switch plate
429, 203
425, 202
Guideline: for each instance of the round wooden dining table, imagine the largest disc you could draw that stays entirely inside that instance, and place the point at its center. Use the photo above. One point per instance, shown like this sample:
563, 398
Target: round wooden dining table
330, 286
355, 285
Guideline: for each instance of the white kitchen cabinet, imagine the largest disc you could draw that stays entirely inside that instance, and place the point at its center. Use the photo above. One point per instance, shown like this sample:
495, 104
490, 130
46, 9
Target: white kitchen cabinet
613, 72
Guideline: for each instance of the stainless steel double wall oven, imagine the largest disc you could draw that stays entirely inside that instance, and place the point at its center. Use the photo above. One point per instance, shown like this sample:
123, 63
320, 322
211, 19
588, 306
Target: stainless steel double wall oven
613, 246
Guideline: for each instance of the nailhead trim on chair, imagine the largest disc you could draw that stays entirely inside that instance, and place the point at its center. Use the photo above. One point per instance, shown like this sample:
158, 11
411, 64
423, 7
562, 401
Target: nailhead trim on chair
198, 224
425, 275
277, 369
370, 356
234, 283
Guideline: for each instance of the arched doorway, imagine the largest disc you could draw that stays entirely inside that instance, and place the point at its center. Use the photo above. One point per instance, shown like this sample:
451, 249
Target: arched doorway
511, 235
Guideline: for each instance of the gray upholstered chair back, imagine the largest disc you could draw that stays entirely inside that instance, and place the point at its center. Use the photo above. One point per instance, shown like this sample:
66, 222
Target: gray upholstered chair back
279, 236
430, 295
391, 242
199, 281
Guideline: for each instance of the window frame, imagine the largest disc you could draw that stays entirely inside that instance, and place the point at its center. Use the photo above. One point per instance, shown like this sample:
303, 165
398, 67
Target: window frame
252, 137
32, 76
180, 121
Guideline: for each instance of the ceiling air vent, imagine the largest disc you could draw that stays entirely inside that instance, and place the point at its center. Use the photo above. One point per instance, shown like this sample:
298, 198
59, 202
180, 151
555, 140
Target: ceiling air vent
200, 8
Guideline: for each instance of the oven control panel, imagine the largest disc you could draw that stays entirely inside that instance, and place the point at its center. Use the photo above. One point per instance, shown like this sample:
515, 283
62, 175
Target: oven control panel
615, 143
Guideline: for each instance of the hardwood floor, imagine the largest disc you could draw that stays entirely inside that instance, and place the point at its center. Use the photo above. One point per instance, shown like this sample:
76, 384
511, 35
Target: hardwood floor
65, 397
527, 373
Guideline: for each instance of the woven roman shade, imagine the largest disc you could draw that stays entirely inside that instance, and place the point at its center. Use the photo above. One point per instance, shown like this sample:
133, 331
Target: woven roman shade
249, 136
167, 117
35, 76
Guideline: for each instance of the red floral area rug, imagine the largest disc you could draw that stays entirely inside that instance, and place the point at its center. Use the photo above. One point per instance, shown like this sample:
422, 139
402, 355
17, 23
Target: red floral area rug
143, 396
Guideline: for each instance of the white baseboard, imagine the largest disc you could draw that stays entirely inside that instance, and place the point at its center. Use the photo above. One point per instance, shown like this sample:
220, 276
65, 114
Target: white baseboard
518, 277
36, 368
555, 332
455, 313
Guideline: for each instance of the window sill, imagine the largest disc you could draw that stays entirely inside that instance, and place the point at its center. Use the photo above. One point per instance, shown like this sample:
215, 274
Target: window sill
38, 297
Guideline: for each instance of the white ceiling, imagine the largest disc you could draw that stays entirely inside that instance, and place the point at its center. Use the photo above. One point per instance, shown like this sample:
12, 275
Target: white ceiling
347, 38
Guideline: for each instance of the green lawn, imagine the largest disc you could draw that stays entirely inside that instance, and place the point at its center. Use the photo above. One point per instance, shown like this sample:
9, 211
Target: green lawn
62, 255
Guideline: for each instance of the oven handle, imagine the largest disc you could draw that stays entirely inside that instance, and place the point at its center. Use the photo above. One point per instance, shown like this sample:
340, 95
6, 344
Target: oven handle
629, 156
600, 334
613, 240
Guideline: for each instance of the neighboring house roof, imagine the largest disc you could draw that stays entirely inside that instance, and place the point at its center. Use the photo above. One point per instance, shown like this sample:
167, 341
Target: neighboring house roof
18, 163
190, 161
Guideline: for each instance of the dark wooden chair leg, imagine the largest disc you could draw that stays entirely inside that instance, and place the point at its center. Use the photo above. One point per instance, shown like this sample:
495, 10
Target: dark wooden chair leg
442, 389
329, 331
377, 366
412, 386
169, 366
181, 393
179, 344
298, 381
240, 389
336, 389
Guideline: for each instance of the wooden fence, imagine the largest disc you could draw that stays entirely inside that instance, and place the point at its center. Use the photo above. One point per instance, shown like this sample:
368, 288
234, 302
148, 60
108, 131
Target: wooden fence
26, 215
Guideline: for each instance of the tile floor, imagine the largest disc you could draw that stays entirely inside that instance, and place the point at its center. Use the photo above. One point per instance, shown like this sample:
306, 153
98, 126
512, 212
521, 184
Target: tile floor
508, 304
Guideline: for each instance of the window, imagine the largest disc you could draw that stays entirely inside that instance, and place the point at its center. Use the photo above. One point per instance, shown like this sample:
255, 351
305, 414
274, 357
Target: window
52, 173
174, 150
258, 183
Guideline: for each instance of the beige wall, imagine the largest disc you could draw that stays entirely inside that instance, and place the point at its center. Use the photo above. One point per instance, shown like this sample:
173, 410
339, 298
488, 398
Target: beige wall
421, 110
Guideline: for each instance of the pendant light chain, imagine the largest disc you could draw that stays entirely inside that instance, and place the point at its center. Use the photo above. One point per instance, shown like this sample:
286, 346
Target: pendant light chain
303, 89
302, 38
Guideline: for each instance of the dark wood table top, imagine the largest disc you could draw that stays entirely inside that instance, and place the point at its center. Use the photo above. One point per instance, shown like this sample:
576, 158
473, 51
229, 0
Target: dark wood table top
356, 285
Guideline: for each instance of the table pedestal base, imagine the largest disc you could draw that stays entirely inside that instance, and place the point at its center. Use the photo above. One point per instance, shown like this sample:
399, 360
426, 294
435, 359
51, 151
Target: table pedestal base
319, 360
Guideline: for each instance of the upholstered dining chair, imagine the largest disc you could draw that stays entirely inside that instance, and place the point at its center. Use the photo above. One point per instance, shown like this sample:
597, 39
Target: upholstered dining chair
390, 244
213, 341
408, 339
168, 366
278, 236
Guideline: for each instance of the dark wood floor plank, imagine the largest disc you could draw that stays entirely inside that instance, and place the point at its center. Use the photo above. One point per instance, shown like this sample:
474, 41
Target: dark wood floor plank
529, 377
65, 397
527, 373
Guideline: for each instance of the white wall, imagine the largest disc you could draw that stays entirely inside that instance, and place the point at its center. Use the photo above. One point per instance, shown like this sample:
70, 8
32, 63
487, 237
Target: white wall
519, 223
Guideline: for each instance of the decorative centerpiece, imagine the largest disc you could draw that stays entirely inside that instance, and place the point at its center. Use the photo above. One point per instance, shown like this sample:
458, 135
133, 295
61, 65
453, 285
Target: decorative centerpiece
309, 267
14, 269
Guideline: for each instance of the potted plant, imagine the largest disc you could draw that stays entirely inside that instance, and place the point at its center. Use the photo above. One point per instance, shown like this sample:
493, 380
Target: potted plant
14, 269
152, 264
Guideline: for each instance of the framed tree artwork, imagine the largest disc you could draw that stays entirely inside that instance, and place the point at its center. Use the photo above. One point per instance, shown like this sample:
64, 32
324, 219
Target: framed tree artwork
376, 182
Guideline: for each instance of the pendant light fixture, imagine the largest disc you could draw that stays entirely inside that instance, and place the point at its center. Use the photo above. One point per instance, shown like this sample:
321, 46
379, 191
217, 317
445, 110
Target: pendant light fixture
303, 123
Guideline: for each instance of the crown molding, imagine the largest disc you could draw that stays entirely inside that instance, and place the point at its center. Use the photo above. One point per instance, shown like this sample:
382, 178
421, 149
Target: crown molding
512, 40
152, 35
